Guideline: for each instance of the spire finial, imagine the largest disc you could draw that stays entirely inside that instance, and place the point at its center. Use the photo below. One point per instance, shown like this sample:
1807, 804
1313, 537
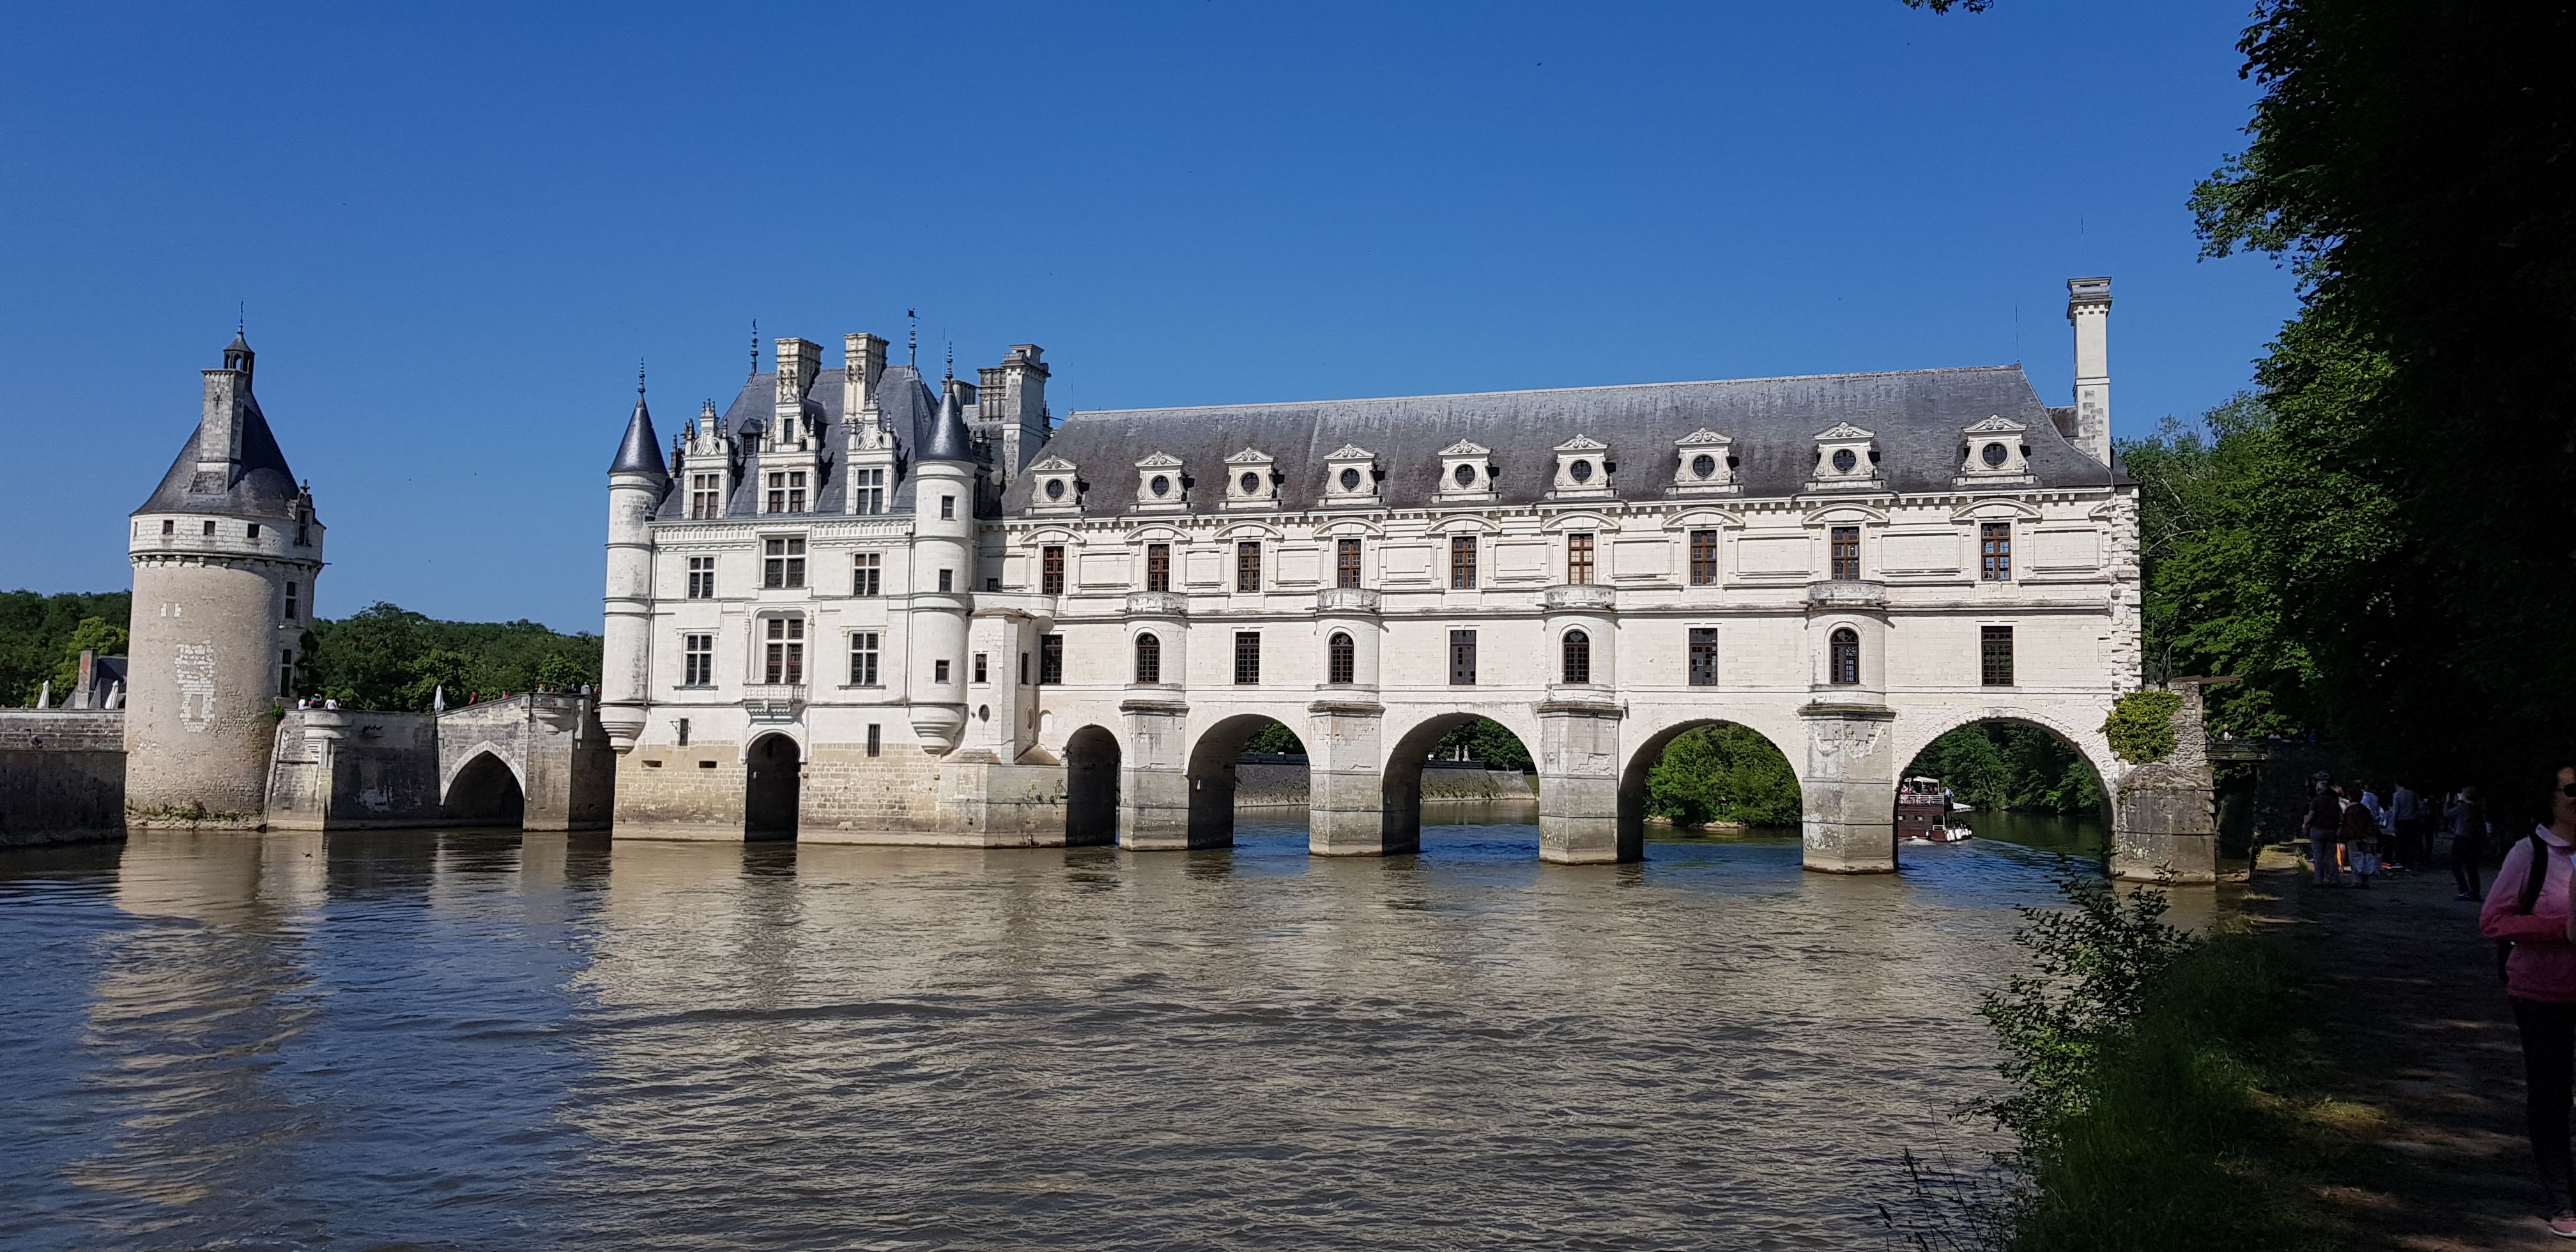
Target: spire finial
952, 358
755, 345
912, 340
241, 319
639, 376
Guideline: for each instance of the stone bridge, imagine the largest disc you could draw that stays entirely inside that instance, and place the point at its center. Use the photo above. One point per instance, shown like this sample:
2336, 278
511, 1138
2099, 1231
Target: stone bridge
538, 762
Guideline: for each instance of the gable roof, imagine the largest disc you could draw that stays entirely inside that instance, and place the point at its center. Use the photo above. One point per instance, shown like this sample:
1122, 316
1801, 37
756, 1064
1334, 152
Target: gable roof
1917, 416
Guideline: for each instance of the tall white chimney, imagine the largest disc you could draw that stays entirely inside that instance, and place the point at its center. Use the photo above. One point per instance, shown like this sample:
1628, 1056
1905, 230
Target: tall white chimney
2088, 310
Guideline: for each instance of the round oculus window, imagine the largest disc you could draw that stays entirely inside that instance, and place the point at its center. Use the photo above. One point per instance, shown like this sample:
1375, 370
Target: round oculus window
1250, 483
1350, 480
983, 712
1055, 489
1581, 471
1466, 475
1844, 461
1162, 485
1703, 465
1994, 455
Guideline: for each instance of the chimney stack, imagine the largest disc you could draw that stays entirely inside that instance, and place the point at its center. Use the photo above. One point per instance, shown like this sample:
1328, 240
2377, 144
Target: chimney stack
799, 360
219, 432
2088, 310
863, 362
1022, 407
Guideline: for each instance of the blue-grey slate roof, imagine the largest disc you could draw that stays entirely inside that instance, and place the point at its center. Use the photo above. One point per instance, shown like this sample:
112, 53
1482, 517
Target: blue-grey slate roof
1917, 416
262, 485
909, 410
641, 451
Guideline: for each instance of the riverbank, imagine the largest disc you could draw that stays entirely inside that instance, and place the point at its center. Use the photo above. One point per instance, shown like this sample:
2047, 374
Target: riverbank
2339, 1071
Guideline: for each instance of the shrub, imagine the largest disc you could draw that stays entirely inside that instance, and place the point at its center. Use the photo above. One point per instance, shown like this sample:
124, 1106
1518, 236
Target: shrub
2140, 726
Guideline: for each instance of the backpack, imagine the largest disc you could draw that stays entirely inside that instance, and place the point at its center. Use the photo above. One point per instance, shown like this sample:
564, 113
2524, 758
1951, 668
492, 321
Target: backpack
2532, 882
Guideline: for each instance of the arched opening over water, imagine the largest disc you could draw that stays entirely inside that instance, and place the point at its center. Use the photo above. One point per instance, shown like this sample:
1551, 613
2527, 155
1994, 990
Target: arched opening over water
1091, 787
2020, 779
485, 792
772, 778
1452, 757
1708, 772
1249, 761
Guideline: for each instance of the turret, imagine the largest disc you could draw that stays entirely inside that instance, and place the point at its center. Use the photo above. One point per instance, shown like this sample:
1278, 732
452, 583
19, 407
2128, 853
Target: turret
943, 562
637, 481
225, 554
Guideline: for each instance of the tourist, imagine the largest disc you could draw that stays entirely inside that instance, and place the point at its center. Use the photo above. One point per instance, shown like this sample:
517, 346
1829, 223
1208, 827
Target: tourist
2360, 835
2468, 826
2325, 814
2407, 817
2527, 907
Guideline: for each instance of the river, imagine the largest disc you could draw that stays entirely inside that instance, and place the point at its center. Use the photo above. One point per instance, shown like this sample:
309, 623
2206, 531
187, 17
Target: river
475, 1039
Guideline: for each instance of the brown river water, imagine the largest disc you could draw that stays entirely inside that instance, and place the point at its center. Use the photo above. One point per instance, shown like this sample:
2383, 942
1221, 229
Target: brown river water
478, 1039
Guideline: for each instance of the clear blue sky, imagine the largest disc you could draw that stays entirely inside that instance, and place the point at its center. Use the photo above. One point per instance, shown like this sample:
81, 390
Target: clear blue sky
457, 228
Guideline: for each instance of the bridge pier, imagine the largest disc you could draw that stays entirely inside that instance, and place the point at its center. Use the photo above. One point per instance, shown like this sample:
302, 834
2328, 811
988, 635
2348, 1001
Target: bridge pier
1850, 789
1578, 781
1154, 787
2164, 815
1349, 809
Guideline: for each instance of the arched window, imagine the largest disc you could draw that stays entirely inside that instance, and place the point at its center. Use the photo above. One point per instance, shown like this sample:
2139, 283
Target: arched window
1149, 659
1845, 658
1578, 657
1341, 661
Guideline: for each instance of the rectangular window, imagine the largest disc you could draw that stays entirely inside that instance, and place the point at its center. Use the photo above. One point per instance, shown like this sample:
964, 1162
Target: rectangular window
1051, 571
980, 671
1462, 658
702, 578
863, 658
1846, 544
683, 725
786, 491
1994, 551
1995, 655
168, 526
286, 673
1158, 567
1703, 558
290, 602
947, 580
210, 530
939, 672
782, 562
1247, 565
1050, 659
1703, 656
1346, 563
1578, 557
784, 660
705, 496
254, 531
867, 574
876, 738
1462, 562
948, 508
870, 486
1024, 669
1247, 657
697, 660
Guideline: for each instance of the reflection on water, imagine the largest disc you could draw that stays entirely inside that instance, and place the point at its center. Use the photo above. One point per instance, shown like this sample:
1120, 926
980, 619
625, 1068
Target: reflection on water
476, 1039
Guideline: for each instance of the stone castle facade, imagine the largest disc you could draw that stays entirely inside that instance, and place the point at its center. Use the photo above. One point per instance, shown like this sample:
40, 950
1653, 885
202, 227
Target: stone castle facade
859, 605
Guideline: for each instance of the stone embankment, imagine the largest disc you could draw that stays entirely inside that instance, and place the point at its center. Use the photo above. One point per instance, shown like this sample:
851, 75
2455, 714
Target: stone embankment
62, 775
1264, 781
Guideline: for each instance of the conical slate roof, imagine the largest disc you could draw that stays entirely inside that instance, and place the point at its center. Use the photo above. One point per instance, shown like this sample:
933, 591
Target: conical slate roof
641, 453
262, 485
947, 439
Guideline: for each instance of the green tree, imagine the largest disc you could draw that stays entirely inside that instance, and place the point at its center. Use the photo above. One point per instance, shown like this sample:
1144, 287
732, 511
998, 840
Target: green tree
95, 635
2410, 162
36, 629
386, 657
2009, 765
1723, 773
1276, 738
1486, 740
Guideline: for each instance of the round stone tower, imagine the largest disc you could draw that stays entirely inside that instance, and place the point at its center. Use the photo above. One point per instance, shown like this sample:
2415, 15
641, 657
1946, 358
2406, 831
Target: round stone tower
225, 554
637, 481
943, 559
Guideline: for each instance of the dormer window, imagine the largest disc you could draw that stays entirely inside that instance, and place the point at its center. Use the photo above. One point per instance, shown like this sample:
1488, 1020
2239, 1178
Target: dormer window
1160, 485
1250, 482
1058, 490
1846, 458
1466, 472
1582, 469
1992, 451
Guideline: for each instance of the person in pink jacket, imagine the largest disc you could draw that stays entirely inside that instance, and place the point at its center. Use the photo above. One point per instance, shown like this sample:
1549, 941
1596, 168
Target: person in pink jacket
2540, 978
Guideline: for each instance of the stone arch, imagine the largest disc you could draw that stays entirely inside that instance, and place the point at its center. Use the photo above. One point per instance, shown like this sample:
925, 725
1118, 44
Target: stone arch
1407, 753
484, 790
1649, 752
773, 780
1091, 763
485, 747
1211, 774
1914, 734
